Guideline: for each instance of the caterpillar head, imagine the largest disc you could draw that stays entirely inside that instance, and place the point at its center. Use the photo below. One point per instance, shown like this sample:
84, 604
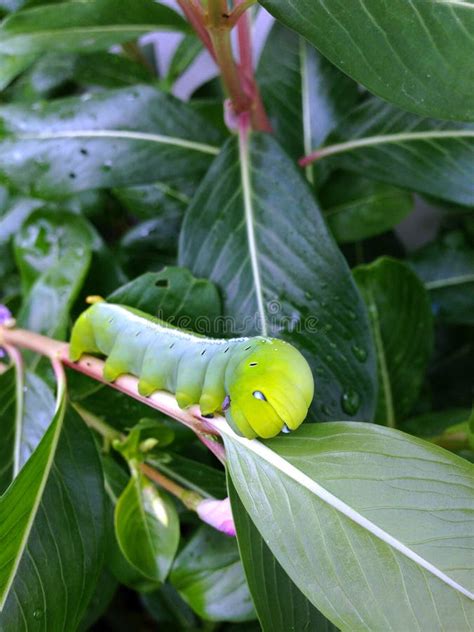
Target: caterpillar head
269, 389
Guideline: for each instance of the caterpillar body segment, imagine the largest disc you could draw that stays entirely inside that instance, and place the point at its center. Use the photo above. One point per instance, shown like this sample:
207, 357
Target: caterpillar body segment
263, 385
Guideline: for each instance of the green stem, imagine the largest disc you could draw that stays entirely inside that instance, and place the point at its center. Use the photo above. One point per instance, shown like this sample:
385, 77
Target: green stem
239, 11
133, 51
97, 424
189, 498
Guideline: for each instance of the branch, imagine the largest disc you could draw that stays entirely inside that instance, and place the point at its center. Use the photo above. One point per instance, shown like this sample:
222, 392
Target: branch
244, 33
58, 353
195, 17
238, 79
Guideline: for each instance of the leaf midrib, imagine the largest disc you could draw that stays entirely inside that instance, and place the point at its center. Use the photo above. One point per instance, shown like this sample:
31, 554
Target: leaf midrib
123, 134
282, 465
449, 281
245, 169
386, 139
9, 35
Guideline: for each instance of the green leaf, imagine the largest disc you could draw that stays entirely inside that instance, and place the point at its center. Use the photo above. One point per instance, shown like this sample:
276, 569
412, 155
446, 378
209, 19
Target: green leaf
173, 295
447, 269
387, 144
62, 553
108, 70
280, 605
415, 54
116, 480
402, 327
116, 138
209, 576
8, 405
14, 210
305, 95
255, 229
46, 78
100, 600
83, 25
20, 502
150, 245
356, 208
38, 410
435, 422
168, 608
53, 253
147, 528
55, 74
11, 66
45, 238
361, 518
152, 200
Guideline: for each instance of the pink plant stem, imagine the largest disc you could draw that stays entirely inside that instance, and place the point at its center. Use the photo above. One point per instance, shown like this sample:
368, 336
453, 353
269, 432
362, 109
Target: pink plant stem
58, 352
309, 159
194, 15
246, 70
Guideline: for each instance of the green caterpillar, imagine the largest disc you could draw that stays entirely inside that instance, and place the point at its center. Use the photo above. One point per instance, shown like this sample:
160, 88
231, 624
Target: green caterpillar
263, 385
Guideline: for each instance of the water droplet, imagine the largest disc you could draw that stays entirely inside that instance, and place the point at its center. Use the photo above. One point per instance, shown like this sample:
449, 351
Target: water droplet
350, 402
38, 613
360, 354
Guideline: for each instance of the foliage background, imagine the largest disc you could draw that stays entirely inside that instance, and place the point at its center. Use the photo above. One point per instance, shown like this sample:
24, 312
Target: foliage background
111, 185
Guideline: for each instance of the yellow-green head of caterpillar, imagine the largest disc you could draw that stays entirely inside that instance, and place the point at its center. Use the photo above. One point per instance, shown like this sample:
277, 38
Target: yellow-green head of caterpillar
269, 390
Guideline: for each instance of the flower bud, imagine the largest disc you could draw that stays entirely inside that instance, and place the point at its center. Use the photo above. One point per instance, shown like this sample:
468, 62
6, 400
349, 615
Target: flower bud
218, 514
5, 314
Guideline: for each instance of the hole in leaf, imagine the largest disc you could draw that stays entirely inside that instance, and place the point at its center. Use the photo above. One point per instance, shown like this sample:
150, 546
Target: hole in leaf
162, 283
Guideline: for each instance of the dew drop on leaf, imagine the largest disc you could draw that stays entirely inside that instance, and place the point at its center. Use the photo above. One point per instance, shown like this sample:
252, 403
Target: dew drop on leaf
360, 353
38, 613
350, 402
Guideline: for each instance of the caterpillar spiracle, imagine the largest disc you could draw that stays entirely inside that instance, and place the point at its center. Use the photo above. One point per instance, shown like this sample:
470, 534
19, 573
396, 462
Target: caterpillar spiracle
263, 385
